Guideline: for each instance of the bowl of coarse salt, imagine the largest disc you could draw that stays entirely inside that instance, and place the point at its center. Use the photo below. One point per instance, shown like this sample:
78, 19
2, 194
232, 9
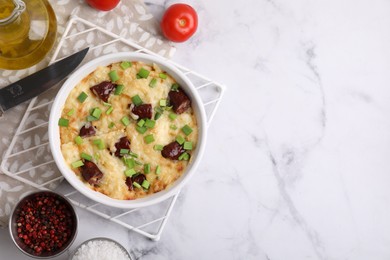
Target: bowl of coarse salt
100, 248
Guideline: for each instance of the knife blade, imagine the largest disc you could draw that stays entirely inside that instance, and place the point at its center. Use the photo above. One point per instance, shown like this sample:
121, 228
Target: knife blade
38, 82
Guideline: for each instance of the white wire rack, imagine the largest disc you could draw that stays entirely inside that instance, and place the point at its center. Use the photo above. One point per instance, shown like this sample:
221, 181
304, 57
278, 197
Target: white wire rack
28, 158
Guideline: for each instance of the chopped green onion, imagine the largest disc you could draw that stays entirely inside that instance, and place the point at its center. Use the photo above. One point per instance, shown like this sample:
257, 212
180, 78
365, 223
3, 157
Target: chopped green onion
147, 168
125, 121
135, 184
111, 125
77, 164
130, 172
141, 123
107, 104
109, 110
187, 146
141, 130
82, 97
78, 140
71, 112
136, 100
143, 73
138, 76
184, 157
162, 76
113, 75
168, 108
150, 123
180, 139
91, 118
159, 110
129, 162
175, 87
158, 147
145, 184
138, 162
63, 122
173, 127
158, 169
119, 90
163, 102
96, 156
96, 112
187, 130
149, 139
172, 116
133, 154
153, 83
125, 64
157, 115
86, 156
99, 143
124, 151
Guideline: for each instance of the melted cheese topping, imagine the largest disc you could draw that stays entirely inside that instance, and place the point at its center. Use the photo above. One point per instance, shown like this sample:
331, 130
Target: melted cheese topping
113, 182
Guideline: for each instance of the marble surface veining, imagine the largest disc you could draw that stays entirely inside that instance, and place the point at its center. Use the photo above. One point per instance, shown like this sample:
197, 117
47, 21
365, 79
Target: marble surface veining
297, 161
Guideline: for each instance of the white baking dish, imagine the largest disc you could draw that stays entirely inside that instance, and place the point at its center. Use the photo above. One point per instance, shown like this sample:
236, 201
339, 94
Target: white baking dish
75, 78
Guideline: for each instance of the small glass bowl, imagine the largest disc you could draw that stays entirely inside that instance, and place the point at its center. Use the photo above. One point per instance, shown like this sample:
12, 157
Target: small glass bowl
100, 239
13, 227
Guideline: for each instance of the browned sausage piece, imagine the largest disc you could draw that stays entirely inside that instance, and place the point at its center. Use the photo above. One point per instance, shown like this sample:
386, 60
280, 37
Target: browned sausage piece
91, 172
172, 151
143, 111
103, 90
129, 183
138, 178
123, 143
87, 130
179, 101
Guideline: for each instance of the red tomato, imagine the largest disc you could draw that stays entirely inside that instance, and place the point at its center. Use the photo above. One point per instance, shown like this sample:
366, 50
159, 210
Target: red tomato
179, 22
103, 5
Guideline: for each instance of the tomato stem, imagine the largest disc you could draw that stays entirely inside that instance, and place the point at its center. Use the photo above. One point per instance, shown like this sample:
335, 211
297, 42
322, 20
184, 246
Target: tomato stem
182, 22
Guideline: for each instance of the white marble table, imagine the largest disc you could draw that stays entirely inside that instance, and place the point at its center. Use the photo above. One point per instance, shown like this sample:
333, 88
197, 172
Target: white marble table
297, 163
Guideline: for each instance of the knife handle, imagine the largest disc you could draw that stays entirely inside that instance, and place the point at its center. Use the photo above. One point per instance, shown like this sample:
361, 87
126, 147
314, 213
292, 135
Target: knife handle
12, 93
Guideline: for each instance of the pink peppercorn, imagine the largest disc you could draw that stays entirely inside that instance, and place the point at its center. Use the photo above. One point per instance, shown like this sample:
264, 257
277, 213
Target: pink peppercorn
44, 224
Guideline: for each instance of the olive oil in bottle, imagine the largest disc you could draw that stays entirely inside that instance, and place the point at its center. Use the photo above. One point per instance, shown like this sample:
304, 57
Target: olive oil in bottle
27, 32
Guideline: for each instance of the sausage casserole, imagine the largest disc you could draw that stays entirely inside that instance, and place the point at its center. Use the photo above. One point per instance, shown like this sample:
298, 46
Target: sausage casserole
128, 130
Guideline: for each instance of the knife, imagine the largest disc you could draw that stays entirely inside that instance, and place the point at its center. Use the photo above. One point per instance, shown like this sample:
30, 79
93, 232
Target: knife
38, 82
